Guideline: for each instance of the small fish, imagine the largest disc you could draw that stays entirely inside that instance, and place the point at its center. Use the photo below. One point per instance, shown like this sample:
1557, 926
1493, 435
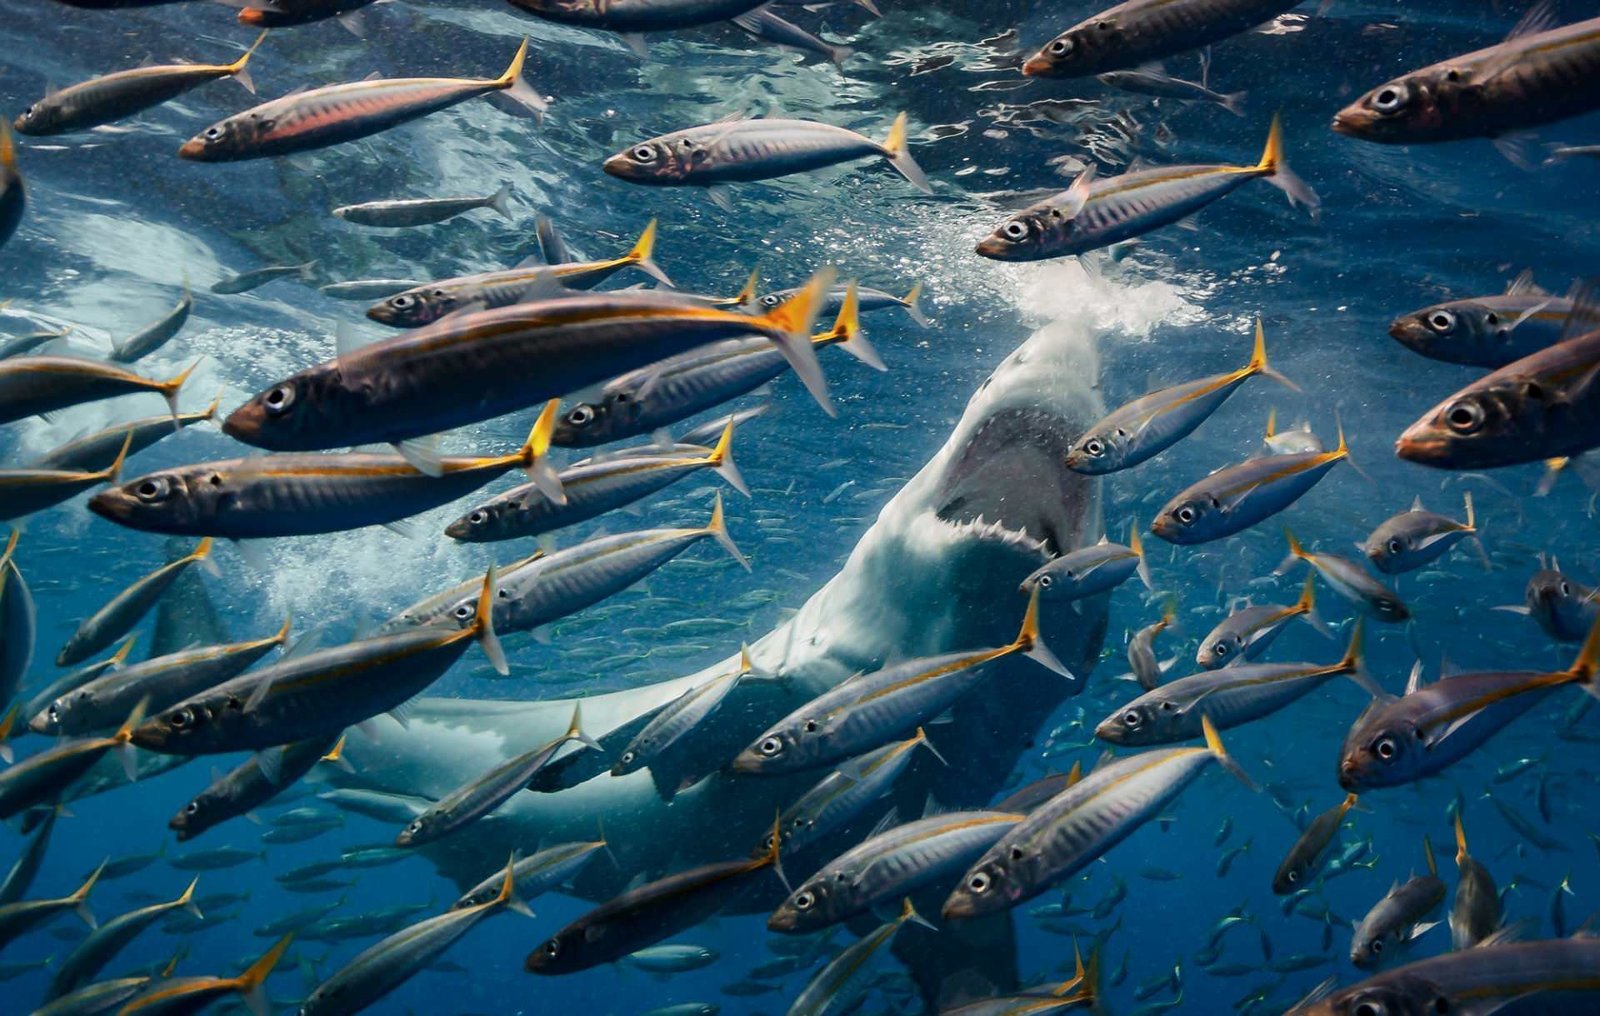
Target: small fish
1246, 633
335, 114
1399, 918
672, 959
368, 289
41, 778
1150, 424
248, 786
1486, 331
766, 25
1295, 441
383, 967
19, 345
740, 150
244, 282
120, 95
1138, 32
1401, 740
118, 617
1350, 581
1225, 862
1235, 498
867, 299
426, 302
19, 879
535, 874
1092, 213
1142, 661
866, 710
845, 793
1564, 607
632, 16
85, 452
156, 334
1163, 86
423, 211
33, 385
29, 490
1090, 571
1070, 831
680, 717
1417, 537
1523, 82
216, 859
1309, 854
478, 797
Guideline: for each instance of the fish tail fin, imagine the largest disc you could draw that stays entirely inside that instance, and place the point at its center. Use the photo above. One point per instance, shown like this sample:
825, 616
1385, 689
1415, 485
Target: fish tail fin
1461, 840
121, 655
913, 306
909, 913
1137, 546
113, 472
642, 256
80, 896
500, 201
1296, 553
1258, 364
248, 984
771, 857
922, 739
483, 625
210, 412
508, 884
1306, 606
281, 636
169, 390
789, 325
1587, 665
575, 729
1030, 644
721, 460
186, 901
11, 547
1233, 102
1354, 662
534, 455
1474, 533
1427, 852
517, 88
336, 756
894, 147
1277, 172
8, 150
717, 529
7, 725
201, 555
1214, 746
846, 331
748, 292
239, 69
1272, 423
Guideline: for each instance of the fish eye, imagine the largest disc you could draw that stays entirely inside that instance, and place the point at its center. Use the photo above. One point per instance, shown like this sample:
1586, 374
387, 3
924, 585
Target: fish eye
192, 808
478, 517
1441, 1004
1221, 649
152, 489
1061, 47
1385, 748
55, 712
1492, 318
644, 153
403, 301
1377, 945
552, 948
464, 610
1045, 581
1442, 321
1185, 515
1464, 417
1016, 229
1566, 588
770, 747
1395, 546
1391, 98
804, 901
181, 718
979, 883
580, 416
1368, 1009
213, 132
1094, 446
279, 399
1293, 876
1131, 719
769, 301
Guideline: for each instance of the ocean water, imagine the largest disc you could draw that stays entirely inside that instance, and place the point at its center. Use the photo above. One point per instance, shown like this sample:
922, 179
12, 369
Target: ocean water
117, 224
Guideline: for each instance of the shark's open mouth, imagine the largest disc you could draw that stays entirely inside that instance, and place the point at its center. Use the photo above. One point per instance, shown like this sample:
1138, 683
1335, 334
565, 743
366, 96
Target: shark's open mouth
1010, 482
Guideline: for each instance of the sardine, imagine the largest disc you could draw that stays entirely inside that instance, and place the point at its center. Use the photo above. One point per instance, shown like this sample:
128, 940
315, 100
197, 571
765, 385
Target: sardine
1246, 633
1142, 660
1407, 541
192, 994
41, 778
28, 490
423, 211
534, 875
345, 112
1163, 86
1235, 498
255, 278
837, 988
103, 944
118, 96
85, 453
680, 716
1090, 571
1475, 913
1350, 581
17, 919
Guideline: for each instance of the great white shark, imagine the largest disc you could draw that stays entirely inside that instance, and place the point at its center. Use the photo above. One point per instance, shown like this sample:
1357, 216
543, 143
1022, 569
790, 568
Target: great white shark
938, 571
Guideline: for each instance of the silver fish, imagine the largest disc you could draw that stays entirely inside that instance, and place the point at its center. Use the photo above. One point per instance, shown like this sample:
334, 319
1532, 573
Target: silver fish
18, 634
1399, 918
1310, 851
1486, 331
680, 716
31, 385
637, 15
1145, 31
1407, 541
1350, 581
1246, 633
1475, 912
335, 114
16, 919
251, 784
836, 989
764, 24
192, 994
1090, 571
114, 620
103, 944
84, 453
244, 282
1143, 664
1235, 498
423, 211
1163, 86
534, 875
156, 334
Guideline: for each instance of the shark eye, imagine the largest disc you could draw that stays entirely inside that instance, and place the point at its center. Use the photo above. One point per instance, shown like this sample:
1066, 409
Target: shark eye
1464, 417
1442, 321
1015, 230
1385, 747
804, 901
1395, 546
1391, 98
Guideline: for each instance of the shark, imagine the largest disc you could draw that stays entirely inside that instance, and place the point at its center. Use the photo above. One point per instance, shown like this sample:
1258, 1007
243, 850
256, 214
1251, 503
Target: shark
939, 570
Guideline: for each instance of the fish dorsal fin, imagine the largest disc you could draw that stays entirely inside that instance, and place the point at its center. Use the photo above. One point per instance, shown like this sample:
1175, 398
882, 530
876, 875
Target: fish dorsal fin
1541, 17
890, 819
1447, 667
1078, 194
1414, 682
1416, 505
1524, 284
422, 453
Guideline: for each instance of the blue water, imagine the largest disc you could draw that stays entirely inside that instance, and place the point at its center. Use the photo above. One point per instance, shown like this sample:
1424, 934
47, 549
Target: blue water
117, 224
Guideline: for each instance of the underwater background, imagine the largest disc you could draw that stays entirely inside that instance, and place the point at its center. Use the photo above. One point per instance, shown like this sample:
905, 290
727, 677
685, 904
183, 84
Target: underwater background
117, 225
